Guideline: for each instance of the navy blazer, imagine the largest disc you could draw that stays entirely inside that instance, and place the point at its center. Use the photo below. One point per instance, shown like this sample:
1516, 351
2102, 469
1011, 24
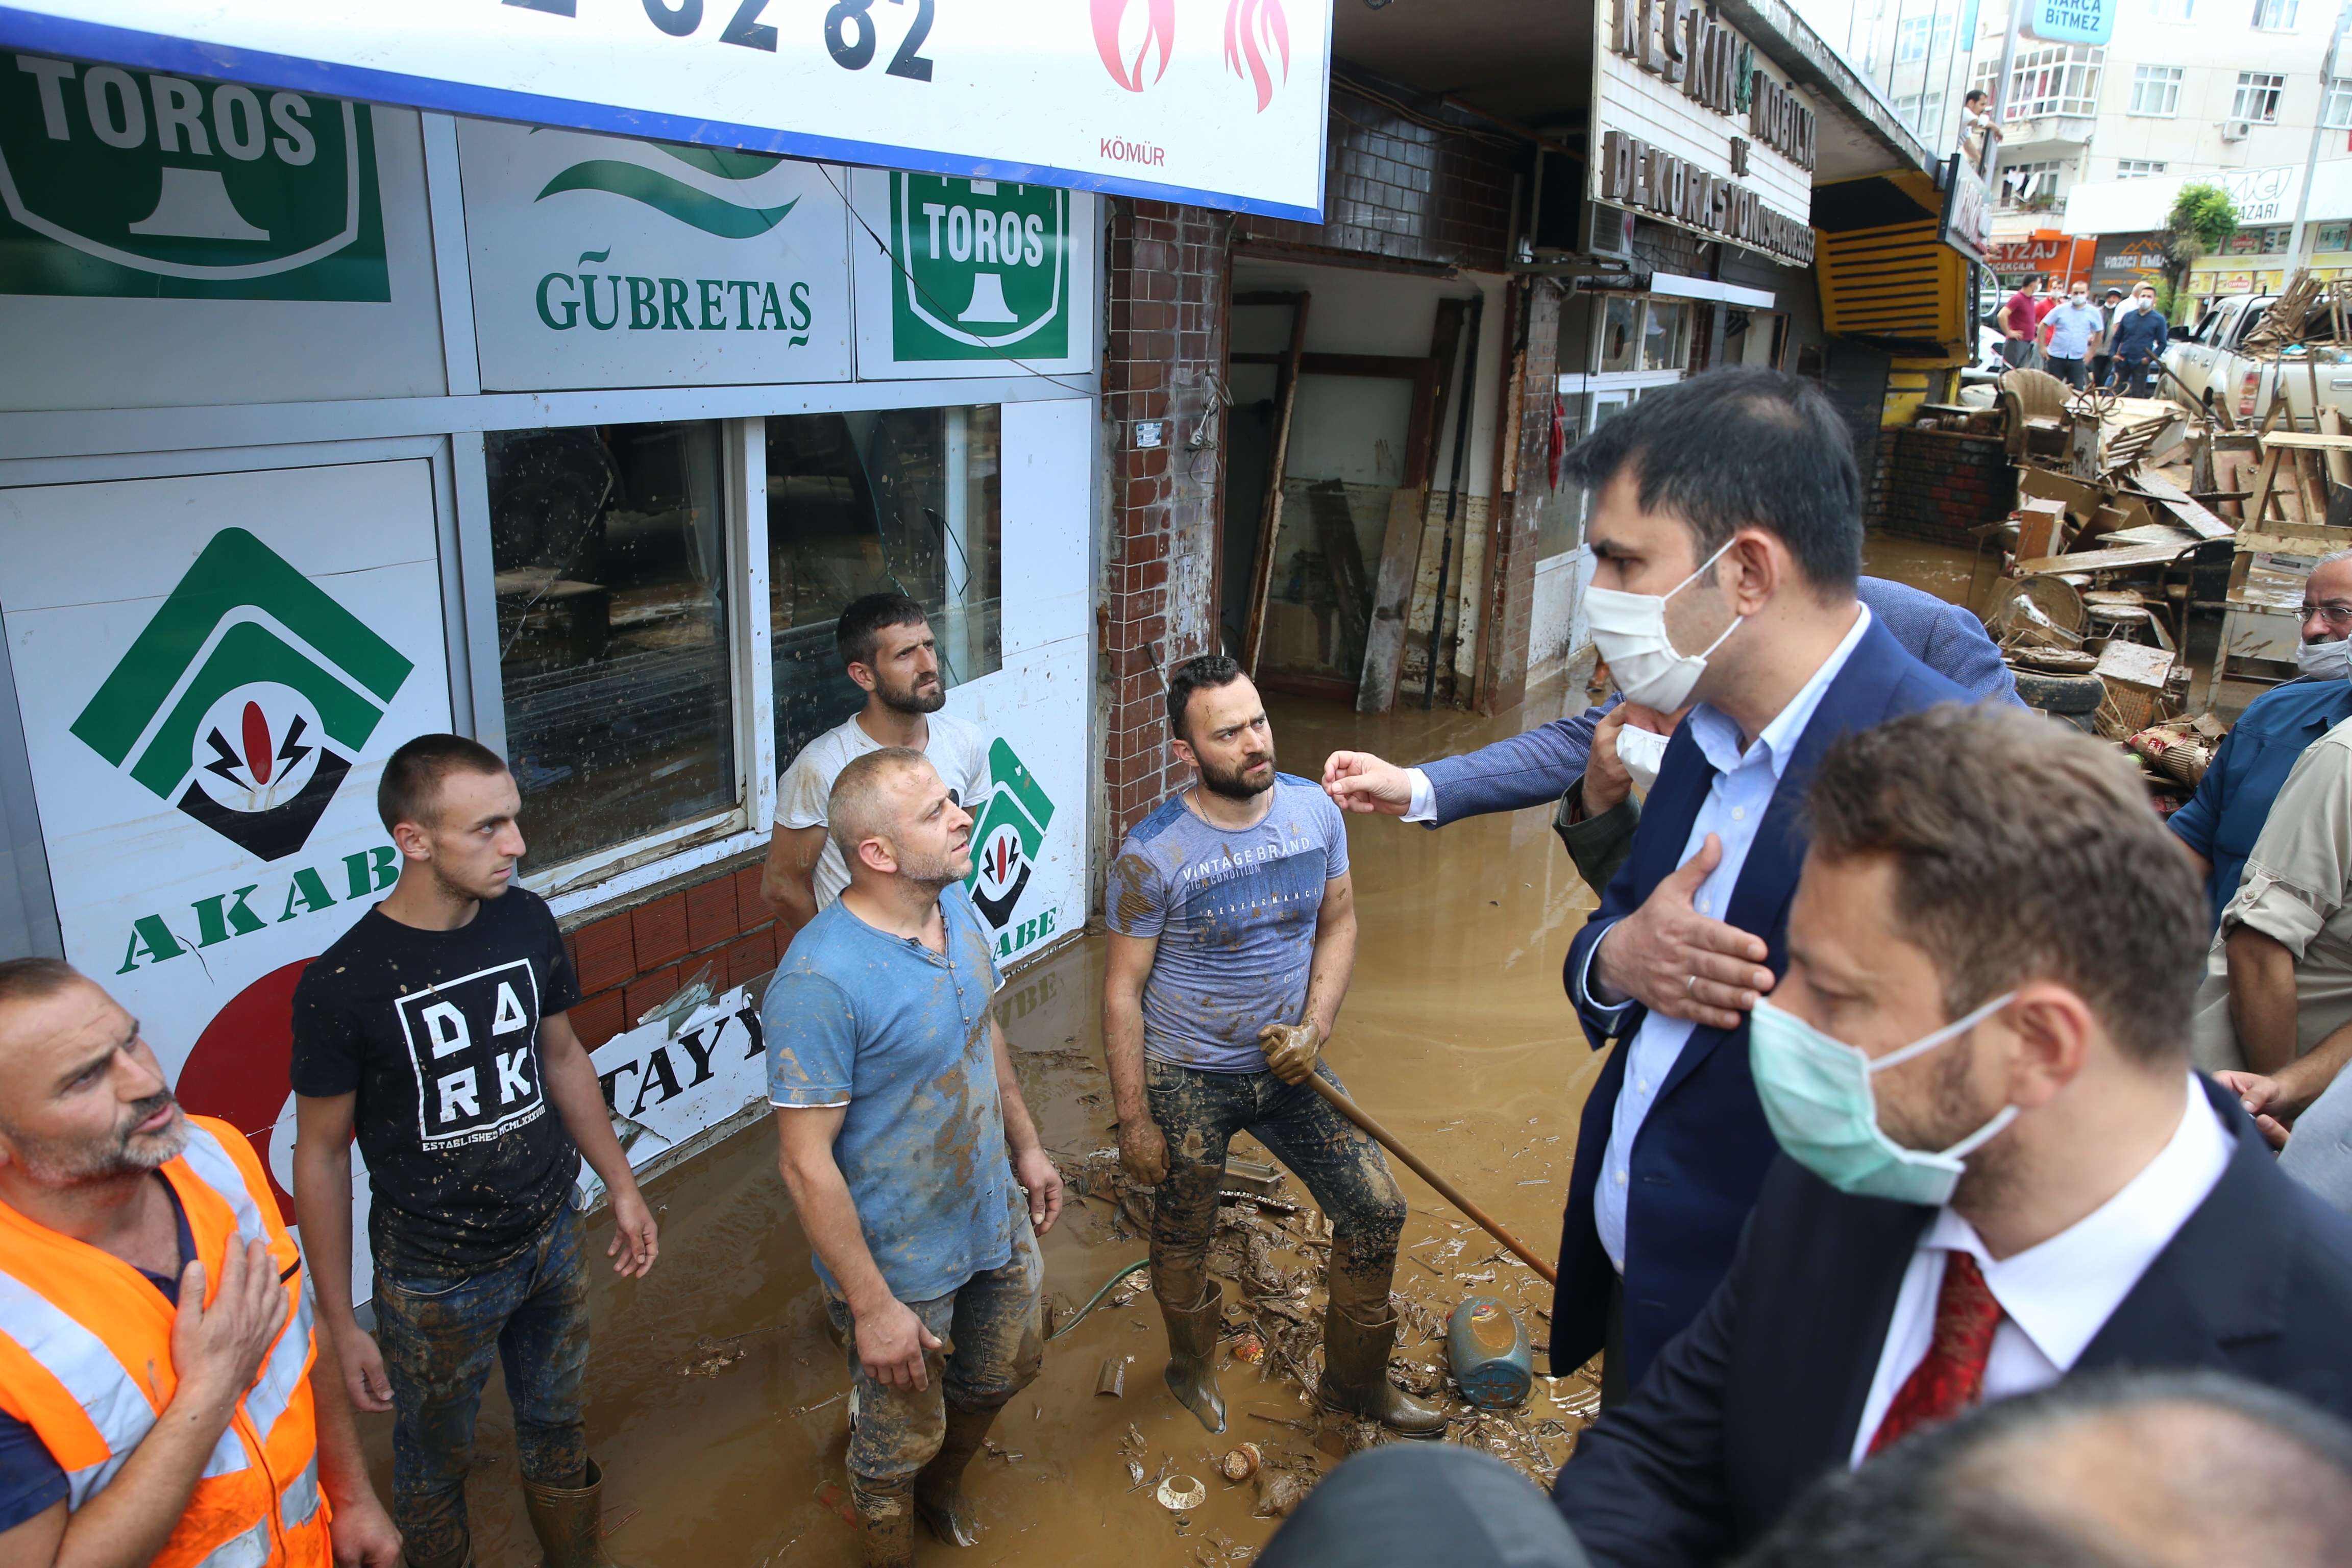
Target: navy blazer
1762, 1395
1701, 1153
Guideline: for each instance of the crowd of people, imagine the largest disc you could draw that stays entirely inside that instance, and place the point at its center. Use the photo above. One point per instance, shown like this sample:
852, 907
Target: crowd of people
2117, 344
1957, 1188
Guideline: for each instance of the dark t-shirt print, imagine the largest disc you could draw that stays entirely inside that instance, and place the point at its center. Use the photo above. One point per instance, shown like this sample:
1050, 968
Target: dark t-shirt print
470, 1040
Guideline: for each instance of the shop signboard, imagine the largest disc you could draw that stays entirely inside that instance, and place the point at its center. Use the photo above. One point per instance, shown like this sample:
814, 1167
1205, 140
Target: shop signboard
963, 277
2121, 260
1965, 224
2072, 21
134, 183
211, 671
599, 261
1216, 102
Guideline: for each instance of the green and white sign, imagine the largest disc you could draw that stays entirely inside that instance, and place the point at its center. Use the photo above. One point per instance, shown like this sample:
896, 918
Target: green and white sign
978, 277
133, 183
599, 261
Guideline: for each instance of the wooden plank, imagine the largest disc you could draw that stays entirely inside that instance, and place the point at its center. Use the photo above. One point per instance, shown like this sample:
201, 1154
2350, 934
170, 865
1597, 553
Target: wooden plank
2308, 440
2135, 664
1393, 601
2339, 463
2170, 533
1269, 538
2175, 501
2105, 560
1351, 590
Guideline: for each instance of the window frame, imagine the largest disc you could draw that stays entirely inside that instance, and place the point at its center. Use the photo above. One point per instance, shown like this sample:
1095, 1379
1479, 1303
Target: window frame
2265, 85
2040, 64
2166, 82
2177, 12
2140, 168
2282, 15
2336, 104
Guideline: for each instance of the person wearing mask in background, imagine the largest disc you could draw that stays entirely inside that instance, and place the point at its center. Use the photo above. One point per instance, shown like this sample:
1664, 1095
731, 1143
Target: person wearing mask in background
2020, 320
435, 1029
1727, 521
167, 1400
2103, 356
2072, 329
2000, 1170
2220, 822
886, 646
2139, 343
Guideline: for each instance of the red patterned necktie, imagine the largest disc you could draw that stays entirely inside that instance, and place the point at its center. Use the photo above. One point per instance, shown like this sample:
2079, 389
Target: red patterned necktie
1950, 1377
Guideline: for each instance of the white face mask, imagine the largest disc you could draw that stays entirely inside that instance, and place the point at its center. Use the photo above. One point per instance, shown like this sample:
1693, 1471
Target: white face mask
2141, 302
2319, 660
1630, 630
1642, 751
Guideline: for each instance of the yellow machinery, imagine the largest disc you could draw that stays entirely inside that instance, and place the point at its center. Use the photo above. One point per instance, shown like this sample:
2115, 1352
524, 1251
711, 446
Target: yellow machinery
1886, 280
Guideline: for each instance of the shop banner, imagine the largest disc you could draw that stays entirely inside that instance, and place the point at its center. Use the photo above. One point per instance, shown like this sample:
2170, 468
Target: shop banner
967, 278
211, 672
2072, 21
1216, 102
603, 262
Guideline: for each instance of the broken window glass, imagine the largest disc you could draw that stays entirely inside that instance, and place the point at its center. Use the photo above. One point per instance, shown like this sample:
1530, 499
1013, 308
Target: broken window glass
610, 547
901, 501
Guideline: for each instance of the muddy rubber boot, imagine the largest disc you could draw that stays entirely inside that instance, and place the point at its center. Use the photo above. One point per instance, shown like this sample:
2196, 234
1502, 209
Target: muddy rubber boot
1359, 1331
460, 1556
887, 1508
939, 1502
569, 1521
1193, 1351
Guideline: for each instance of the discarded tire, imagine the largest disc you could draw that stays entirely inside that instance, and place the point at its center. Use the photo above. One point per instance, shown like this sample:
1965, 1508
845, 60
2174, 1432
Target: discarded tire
2061, 693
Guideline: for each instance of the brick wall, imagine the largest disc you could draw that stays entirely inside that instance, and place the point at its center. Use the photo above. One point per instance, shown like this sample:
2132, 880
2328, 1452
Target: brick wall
637, 958
1931, 484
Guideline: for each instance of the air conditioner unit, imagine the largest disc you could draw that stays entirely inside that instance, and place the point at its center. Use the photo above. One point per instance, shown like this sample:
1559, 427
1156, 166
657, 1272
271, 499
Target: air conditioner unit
2236, 130
1608, 231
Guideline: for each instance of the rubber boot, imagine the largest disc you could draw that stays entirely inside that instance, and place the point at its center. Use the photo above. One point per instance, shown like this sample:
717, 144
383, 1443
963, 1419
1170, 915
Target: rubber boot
1192, 1353
1359, 1330
939, 1502
460, 1556
569, 1521
887, 1508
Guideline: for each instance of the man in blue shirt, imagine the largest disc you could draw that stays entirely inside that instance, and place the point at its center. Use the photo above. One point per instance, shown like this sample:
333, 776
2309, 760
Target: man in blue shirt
2074, 327
2220, 822
908, 1149
2141, 336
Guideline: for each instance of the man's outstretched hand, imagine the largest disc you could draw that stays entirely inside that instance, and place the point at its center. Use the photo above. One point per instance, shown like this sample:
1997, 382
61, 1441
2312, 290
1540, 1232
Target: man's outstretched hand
1674, 960
1358, 781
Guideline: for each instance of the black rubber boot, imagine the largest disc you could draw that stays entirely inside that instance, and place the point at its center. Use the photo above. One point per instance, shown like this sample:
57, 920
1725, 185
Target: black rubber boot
939, 1502
1192, 1353
460, 1556
569, 1521
1359, 1331
887, 1508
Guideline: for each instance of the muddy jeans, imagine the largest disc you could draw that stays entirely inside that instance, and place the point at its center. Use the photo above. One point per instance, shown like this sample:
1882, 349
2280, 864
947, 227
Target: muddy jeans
439, 1336
1199, 1112
992, 1341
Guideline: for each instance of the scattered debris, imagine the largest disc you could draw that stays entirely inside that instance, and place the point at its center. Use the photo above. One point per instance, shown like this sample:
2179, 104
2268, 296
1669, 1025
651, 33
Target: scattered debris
1279, 1494
1178, 1493
1240, 1464
1112, 1377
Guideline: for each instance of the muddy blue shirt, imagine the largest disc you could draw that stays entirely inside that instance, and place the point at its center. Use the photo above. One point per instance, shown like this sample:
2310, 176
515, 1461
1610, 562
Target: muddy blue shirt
897, 1033
1235, 913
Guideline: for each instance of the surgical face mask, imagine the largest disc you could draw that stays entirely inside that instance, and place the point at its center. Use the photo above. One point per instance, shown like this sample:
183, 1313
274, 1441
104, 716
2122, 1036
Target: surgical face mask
1630, 630
2319, 660
1817, 1096
2080, 300
2143, 302
1642, 751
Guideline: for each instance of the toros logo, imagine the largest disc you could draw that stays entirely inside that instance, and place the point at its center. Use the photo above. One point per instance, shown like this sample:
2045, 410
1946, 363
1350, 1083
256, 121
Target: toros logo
1127, 34
1007, 832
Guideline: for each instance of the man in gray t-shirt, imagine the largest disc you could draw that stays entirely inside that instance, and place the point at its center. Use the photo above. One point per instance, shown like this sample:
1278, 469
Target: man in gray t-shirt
1232, 936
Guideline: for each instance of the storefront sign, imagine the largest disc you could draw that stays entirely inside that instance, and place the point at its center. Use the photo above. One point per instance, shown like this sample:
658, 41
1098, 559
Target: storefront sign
1965, 224
1638, 174
2121, 260
148, 185
1218, 101
211, 672
2072, 21
970, 277
603, 262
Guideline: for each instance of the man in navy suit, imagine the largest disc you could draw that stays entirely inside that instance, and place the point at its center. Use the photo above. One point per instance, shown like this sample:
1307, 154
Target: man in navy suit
2001, 1171
1727, 531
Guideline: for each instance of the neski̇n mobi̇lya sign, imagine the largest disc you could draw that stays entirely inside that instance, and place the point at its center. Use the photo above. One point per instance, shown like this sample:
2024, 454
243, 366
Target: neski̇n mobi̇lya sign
1218, 101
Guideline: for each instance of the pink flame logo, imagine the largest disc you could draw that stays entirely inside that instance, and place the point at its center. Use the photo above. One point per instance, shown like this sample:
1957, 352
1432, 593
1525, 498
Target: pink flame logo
1254, 30
1158, 28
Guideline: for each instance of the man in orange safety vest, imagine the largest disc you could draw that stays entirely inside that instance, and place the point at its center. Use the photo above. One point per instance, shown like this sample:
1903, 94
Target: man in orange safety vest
162, 1397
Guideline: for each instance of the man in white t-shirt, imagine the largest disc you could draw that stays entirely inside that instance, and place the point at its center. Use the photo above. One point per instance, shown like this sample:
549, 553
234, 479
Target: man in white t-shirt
886, 641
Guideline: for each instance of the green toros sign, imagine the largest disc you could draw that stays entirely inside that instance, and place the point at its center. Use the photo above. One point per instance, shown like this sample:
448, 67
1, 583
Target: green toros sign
140, 185
982, 269
1008, 831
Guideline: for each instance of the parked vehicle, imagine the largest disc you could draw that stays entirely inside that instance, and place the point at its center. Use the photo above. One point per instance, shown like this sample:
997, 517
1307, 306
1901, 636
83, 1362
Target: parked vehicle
2215, 368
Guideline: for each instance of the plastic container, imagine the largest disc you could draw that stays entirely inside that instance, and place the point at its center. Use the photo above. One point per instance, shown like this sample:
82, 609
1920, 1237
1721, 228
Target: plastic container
1492, 1360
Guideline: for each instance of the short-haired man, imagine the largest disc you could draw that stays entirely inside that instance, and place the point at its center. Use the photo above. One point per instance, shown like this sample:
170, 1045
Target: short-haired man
2222, 819
435, 1028
1233, 935
2001, 1170
2071, 331
1727, 526
909, 1151
2103, 357
2139, 343
2021, 320
165, 1400
887, 645
1977, 124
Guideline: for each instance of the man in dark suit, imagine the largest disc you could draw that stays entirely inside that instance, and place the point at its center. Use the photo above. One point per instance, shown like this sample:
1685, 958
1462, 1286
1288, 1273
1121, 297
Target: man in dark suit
2001, 1171
1727, 523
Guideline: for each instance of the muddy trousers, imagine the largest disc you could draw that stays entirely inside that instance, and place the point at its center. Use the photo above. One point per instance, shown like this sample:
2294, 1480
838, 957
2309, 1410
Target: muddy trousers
439, 1337
1199, 1112
992, 1340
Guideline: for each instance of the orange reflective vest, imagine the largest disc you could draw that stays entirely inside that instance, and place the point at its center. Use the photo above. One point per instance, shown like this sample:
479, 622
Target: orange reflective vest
85, 1362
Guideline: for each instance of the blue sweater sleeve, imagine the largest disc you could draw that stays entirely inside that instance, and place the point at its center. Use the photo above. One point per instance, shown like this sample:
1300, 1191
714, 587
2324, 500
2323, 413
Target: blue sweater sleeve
1532, 769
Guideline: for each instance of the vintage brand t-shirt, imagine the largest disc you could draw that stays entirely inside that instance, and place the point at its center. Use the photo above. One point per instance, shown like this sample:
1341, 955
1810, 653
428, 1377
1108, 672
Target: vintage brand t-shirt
958, 749
1234, 910
437, 1033
899, 1034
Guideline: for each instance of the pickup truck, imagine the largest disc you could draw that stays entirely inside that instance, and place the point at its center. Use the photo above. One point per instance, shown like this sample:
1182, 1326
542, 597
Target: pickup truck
2214, 368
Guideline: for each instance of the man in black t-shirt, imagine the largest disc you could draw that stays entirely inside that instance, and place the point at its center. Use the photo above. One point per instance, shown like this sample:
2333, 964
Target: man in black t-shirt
435, 1030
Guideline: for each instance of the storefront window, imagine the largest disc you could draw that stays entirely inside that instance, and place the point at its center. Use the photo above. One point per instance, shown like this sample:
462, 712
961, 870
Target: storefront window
1619, 333
903, 501
610, 544
1665, 338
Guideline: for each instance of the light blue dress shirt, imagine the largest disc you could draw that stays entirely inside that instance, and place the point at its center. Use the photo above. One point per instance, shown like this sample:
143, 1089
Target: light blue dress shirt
2070, 331
1737, 801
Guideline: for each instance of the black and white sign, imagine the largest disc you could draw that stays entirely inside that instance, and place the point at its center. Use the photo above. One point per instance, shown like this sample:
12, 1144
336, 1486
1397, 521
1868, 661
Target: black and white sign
475, 1045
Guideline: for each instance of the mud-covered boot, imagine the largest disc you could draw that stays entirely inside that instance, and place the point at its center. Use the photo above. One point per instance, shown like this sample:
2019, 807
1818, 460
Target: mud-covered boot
939, 1502
888, 1510
569, 1521
1193, 1354
458, 1556
1359, 1330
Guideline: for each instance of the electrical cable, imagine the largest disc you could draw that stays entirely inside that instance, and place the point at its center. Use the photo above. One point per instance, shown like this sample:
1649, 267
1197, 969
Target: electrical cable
1136, 1266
